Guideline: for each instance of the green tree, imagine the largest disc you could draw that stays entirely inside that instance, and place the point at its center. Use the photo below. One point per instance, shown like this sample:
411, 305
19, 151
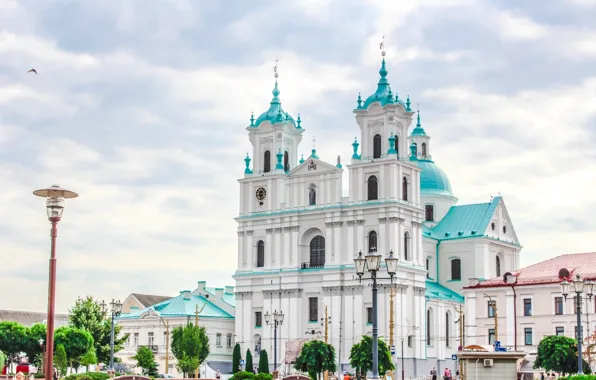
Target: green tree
2, 360
248, 365
13, 339
189, 343
61, 360
89, 358
86, 314
361, 356
236, 358
558, 354
34, 334
316, 357
146, 361
263, 362
76, 342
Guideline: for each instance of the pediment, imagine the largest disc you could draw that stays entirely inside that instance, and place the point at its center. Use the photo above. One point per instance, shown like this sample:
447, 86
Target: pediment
149, 313
312, 166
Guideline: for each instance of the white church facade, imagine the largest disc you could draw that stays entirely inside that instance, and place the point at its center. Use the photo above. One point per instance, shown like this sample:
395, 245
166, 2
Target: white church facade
297, 237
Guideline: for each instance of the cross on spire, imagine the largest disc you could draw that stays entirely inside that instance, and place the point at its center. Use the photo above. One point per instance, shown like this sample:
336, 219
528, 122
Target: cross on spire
313, 142
382, 46
275, 74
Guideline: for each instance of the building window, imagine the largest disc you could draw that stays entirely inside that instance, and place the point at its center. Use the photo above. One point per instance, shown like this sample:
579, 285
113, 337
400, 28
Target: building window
373, 188
456, 269
409, 340
260, 254
312, 195
377, 146
429, 213
406, 246
491, 309
258, 318
267, 161
428, 326
136, 339
317, 252
423, 146
229, 341
560, 331
369, 315
558, 305
498, 265
447, 328
504, 229
492, 226
527, 307
218, 340
313, 309
415, 149
491, 336
372, 241
404, 189
427, 268
528, 336
286, 162
150, 339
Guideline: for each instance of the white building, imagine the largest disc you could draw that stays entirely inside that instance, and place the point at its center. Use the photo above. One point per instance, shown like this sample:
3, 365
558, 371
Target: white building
297, 235
529, 304
216, 314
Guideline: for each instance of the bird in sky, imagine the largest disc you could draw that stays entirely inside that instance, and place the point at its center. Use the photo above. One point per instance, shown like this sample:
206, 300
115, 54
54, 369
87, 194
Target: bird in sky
32, 71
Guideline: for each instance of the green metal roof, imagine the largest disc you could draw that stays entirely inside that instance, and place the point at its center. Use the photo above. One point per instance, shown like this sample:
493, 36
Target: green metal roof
438, 291
433, 180
228, 297
179, 306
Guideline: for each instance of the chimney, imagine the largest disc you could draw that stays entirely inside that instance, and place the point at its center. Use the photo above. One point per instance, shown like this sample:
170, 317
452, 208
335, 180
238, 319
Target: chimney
219, 292
185, 294
229, 289
201, 287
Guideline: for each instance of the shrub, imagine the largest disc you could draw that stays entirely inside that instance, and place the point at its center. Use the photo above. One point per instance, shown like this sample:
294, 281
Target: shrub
263, 376
579, 377
88, 376
243, 375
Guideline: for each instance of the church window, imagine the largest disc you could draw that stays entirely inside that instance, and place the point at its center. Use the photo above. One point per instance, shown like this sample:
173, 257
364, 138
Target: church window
369, 315
423, 146
427, 268
267, 162
377, 146
218, 340
447, 328
456, 269
428, 326
492, 226
258, 318
404, 189
229, 341
260, 254
372, 241
286, 161
373, 188
415, 149
313, 309
498, 265
429, 213
317, 252
504, 229
407, 246
312, 195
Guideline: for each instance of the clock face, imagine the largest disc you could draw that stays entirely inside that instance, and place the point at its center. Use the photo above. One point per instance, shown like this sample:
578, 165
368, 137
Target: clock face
261, 194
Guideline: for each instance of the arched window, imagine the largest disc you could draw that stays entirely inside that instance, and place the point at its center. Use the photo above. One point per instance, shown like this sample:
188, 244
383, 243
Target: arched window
415, 149
498, 265
407, 246
427, 267
429, 316
286, 161
377, 146
372, 241
373, 188
267, 162
260, 254
404, 189
447, 328
317, 252
456, 269
312, 195
423, 146
257, 340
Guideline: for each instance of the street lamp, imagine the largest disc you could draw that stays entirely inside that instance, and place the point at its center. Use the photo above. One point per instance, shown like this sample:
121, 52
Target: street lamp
115, 310
579, 287
55, 196
278, 319
373, 262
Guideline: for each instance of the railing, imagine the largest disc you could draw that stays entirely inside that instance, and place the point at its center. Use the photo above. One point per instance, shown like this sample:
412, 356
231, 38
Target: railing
309, 265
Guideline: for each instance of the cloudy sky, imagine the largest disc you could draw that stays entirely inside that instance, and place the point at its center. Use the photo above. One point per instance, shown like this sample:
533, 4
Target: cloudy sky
141, 107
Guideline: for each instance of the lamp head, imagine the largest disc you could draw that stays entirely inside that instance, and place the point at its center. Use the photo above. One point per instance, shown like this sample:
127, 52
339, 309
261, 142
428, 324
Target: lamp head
565, 287
391, 262
359, 263
578, 284
55, 196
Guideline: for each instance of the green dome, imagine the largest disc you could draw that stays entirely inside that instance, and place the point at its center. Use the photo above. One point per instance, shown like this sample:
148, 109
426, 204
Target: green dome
433, 180
275, 113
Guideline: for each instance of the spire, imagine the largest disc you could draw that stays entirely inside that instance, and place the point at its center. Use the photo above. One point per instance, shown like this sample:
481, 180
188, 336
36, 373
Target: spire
247, 163
359, 101
275, 113
408, 104
301, 159
313, 152
418, 131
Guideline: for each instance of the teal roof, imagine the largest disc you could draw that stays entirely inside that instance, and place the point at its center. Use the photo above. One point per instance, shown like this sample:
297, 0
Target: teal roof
418, 131
464, 221
275, 113
179, 306
383, 95
229, 298
438, 291
433, 180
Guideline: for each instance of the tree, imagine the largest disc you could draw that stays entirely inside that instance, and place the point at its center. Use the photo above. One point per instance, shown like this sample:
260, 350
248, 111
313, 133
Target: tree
61, 360
76, 342
361, 356
189, 343
558, 354
263, 362
86, 314
146, 361
34, 334
248, 366
316, 357
13, 339
89, 358
236, 358
2, 361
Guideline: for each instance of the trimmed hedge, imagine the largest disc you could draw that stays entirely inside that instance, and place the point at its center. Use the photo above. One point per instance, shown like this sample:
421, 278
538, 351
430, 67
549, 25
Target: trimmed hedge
88, 376
579, 377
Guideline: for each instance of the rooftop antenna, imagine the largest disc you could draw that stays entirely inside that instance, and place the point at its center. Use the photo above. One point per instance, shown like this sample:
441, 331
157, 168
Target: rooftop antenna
382, 46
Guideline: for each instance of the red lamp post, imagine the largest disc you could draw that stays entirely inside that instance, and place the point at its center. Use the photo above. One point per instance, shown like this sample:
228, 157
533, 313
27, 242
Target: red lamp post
55, 196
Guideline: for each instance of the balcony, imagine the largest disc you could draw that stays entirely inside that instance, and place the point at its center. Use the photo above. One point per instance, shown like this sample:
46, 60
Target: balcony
309, 265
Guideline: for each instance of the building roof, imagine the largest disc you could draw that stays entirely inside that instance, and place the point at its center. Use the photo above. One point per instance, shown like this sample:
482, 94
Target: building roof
181, 306
148, 300
28, 318
275, 113
228, 297
437, 291
548, 271
433, 180
383, 95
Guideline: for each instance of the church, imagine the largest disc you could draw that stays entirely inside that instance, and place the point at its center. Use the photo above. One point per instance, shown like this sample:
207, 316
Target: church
298, 237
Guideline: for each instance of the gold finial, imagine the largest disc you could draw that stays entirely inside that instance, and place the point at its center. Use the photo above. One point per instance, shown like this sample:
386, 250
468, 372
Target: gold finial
275, 74
382, 46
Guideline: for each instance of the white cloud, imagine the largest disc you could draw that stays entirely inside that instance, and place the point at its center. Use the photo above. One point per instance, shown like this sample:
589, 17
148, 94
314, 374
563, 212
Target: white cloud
511, 26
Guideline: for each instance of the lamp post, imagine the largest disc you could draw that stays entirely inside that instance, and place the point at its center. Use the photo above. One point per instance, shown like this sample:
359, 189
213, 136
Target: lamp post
579, 286
373, 262
115, 310
55, 196
278, 319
